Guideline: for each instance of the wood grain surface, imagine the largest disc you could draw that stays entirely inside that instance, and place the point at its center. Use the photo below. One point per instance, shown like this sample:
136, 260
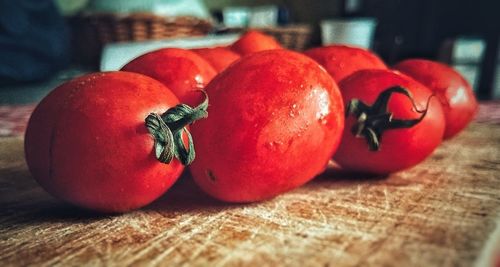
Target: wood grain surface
443, 212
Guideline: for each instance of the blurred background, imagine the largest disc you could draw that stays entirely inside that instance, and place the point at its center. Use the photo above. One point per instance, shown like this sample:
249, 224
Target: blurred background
45, 42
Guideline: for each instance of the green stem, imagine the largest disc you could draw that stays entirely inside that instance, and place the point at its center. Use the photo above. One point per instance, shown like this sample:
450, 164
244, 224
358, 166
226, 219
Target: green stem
373, 120
168, 129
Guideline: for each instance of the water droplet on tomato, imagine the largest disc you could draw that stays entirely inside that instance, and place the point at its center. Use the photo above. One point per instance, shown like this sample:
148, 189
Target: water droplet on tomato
269, 145
322, 120
199, 79
273, 145
293, 110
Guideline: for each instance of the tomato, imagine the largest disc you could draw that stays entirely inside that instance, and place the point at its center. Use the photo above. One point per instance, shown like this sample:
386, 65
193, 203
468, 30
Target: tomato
341, 60
87, 142
182, 71
254, 41
275, 120
454, 92
384, 131
219, 57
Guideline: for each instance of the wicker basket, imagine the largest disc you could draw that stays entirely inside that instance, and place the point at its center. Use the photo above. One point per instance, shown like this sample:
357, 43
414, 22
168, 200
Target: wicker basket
296, 37
93, 30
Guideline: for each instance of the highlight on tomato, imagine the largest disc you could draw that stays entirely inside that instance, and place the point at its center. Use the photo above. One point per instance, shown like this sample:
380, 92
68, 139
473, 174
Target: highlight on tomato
452, 90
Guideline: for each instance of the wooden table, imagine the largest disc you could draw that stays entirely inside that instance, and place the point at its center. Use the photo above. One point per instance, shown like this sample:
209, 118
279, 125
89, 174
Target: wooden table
444, 212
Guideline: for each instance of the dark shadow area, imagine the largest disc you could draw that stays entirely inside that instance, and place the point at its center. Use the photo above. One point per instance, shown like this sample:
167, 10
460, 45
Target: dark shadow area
338, 178
186, 196
34, 206
46, 211
23, 200
344, 175
335, 174
57, 211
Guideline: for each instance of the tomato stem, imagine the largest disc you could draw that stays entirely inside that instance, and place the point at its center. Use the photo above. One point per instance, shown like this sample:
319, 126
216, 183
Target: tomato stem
373, 120
168, 129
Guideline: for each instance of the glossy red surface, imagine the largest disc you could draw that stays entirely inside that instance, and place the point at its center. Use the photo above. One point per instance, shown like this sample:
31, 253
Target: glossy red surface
275, 118
182, 71
454, 92
341, 60
254, 41
399, 148
86, 142
219, 57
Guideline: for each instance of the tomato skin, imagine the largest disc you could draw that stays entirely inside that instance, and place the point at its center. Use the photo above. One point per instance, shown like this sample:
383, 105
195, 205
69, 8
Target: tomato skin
254, 41
341, 60
399, 148
219, 57
454, 92
182, 71
86, 142
275, 120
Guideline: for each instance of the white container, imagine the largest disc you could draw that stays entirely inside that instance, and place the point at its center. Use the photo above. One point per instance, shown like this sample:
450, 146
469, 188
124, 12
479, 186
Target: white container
470, 72
116, 55
468, 50
356, 31
263, 16
496, 83
237, 17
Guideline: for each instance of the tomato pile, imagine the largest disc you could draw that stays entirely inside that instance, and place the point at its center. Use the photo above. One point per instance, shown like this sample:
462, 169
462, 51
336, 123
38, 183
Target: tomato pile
116, 141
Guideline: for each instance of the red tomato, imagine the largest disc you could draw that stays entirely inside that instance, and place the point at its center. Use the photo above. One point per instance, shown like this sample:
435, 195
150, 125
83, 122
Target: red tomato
390, 134
454, 92
341, 61
87, 142
272, 127
182, 71
219, 57
254, 41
